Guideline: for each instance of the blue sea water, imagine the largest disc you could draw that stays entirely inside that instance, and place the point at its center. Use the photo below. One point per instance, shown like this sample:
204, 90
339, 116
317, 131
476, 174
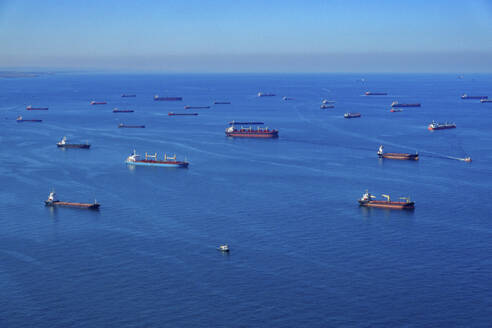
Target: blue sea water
303, 253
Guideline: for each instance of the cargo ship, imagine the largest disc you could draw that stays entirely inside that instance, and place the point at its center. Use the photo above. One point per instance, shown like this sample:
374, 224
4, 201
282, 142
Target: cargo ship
52, 201
151, 160
250, 132
36, 108
368, 200
157, 98
121, 125
261, 94
400, 156
397, 104
128, 95
465, 96
485, 101
324, 106
326, 101
196, 107
396, 110
116, 110
351, 115
287, 98
441, 126
369, 93
64, 144
182, 114
98, 102
222, 102
19, 119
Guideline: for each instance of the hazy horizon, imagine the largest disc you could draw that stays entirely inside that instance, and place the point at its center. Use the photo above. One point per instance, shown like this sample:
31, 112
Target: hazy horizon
223, 37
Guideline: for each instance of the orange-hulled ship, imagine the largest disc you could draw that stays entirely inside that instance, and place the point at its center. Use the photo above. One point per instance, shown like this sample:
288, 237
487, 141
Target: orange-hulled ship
52, 201
367, 200
401, 156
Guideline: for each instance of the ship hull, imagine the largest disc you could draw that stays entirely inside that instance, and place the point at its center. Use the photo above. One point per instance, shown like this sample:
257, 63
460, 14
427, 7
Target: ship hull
441, 128
32, 108
168, 98
82, 146
196, 107
474, 97
407, 157
21, 121
131, 126
93, 206
388, 205
405, 105
376, 94
182, 114
159, 163
123, 111
351, 115
253, 134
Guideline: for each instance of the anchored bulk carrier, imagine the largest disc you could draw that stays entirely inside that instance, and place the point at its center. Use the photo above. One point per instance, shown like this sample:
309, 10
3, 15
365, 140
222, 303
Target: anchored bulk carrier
181, 114
52, 201
400, 156
116, 110
250, 132
368, 200
368, 93
64, 144
262, 94
19, 119
441, 126
397, 104
157, 98
151, 160
36, 108
466, 96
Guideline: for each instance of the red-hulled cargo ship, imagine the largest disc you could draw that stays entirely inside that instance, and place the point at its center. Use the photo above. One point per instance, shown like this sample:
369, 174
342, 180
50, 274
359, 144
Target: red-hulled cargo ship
441, 126
52, 201
400, 156
367, 200
36, 108
250, 132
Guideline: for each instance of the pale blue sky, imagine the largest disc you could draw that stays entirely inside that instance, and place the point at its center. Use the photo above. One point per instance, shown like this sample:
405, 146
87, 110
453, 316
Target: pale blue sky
235, 35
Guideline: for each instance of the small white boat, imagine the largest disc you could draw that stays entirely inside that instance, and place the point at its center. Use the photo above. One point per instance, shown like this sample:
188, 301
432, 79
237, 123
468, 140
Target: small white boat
223, 248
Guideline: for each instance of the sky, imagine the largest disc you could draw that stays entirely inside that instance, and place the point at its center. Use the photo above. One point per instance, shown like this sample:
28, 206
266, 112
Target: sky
248, 36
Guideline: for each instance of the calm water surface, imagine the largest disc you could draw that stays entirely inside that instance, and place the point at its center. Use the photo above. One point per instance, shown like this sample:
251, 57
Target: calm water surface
303, 254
